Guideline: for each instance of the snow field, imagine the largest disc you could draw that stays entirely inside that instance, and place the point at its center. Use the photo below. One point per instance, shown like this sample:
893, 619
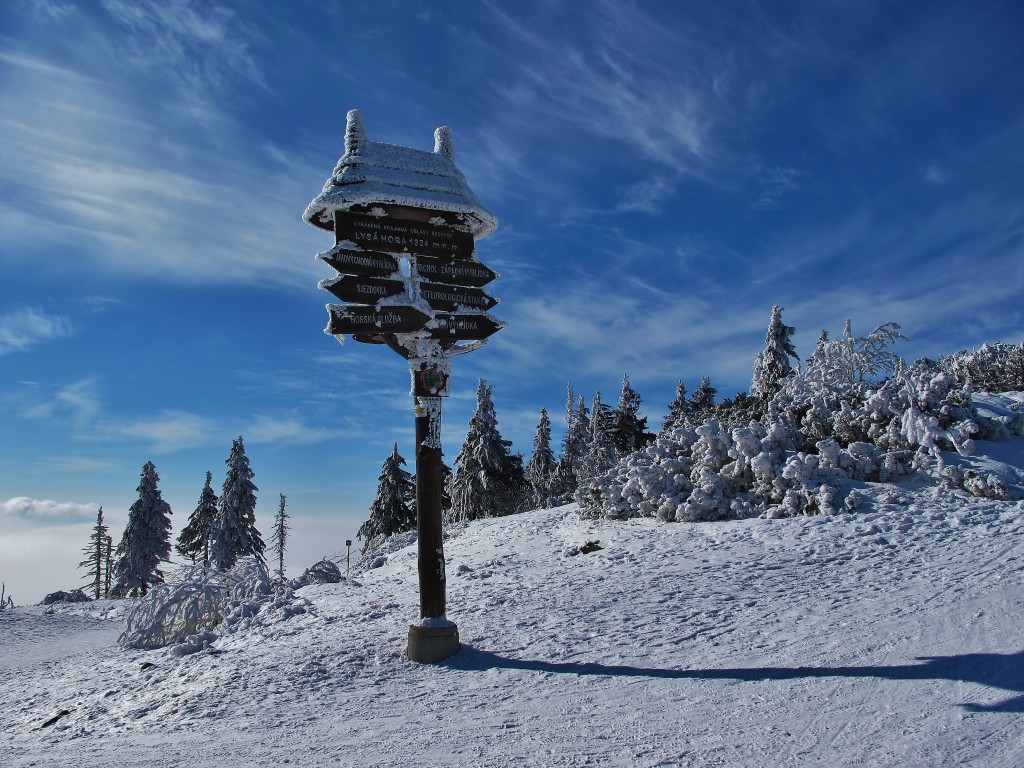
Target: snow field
886, 637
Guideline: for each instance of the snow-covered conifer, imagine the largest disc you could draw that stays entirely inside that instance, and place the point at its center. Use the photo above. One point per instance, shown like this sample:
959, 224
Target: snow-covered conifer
601, 453
480, 483
702, 402
194, 539
390, 511
233, 532
279, 538
570, 469
146, 540
540, 469
772, 364
678, 411
629, 428
108, 566
94, 556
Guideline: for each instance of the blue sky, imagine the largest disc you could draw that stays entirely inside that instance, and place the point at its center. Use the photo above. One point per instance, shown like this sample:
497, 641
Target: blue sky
663, 173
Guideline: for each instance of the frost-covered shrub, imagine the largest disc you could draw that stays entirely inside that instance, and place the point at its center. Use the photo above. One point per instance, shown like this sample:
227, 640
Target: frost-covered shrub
186, 612
856, 413
853, 501
993, 368
60, 596
985, 485
651, 482
323, 572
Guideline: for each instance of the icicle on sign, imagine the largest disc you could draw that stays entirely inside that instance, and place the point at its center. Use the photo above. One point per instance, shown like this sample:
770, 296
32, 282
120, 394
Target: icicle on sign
376, 233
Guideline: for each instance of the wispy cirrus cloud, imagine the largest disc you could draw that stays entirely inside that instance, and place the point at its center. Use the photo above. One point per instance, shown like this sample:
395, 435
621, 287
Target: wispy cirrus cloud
26, 327
77, 403
203, 44
655, 99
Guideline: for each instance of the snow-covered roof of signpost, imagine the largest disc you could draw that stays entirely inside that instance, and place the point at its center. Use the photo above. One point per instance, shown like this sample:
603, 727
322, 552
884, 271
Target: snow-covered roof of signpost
371, 173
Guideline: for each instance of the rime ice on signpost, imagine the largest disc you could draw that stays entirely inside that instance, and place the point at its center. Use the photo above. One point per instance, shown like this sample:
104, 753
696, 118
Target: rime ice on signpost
404, 223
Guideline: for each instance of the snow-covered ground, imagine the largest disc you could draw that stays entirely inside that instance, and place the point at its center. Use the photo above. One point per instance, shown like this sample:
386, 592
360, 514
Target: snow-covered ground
886, 637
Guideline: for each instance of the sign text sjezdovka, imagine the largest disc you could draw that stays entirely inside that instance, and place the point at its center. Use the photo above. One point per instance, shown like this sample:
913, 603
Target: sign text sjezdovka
381, 233
368, 263
454, 271
369, 320
364, 290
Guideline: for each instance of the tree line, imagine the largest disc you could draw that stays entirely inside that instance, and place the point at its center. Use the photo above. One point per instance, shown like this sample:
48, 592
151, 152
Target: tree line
842, 393
219, 531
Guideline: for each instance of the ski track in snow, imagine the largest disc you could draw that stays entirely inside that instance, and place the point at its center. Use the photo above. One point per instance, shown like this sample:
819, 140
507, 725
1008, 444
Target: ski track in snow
885, 637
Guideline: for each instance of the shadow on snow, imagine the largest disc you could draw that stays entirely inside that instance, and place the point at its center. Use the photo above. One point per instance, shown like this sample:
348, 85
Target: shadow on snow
997, 670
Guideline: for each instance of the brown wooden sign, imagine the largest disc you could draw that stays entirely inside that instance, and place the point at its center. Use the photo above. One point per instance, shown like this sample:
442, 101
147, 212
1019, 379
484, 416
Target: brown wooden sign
451, 297
464, 326
381, 233
454, 271
368, 263
368, 320
363, 290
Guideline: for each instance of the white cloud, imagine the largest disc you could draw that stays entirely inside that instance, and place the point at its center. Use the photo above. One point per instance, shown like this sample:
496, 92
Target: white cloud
168, 431
77, 403
22, 508
27, 326
266, 429
655, 99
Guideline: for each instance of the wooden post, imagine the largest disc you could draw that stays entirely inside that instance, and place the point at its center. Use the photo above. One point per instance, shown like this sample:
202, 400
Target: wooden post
434, 638
429, 480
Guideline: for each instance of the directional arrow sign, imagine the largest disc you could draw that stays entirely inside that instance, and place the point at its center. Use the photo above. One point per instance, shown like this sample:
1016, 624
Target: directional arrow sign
451, 297
464, 326
368, 320
382, 233
368, 263
363, 290
454, 271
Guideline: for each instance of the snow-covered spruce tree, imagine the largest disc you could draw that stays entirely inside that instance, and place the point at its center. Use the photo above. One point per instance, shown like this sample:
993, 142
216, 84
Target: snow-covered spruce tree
678, 412
518, 499
108, 567
480, 483
233, 532
390, 511
146, 540
629, 428
571, 463
772, 364
194, 539
601, 453
94, 552
540, 469
279, 538
702, 402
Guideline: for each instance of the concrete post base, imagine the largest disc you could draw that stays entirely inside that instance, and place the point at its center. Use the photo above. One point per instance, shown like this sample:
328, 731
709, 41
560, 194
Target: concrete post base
429, 645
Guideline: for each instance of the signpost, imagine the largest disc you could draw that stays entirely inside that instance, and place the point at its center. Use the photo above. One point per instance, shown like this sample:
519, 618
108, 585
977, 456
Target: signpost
464, 326
454, 272
363, 290
405, 225
349, 262
360, 319
382, 233
451, 297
